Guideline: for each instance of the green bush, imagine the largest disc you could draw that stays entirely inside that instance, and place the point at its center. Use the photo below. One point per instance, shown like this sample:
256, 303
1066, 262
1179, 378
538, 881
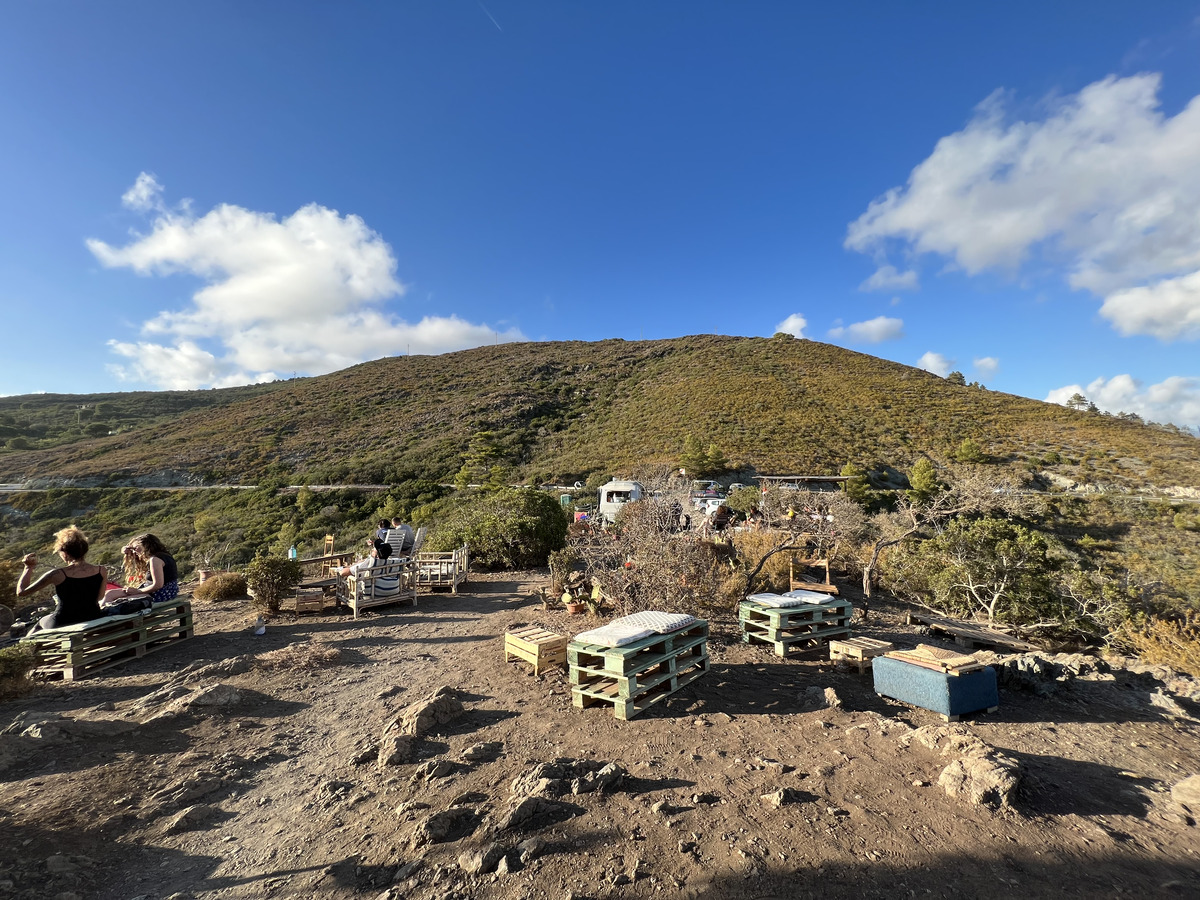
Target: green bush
269, 578
512, 528
223, 586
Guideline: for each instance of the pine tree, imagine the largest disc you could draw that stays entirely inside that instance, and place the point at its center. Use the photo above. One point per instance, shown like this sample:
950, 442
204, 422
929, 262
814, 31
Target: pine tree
693, 459
923, 481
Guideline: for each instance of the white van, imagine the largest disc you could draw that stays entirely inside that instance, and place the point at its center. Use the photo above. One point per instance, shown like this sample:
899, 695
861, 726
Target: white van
616, 494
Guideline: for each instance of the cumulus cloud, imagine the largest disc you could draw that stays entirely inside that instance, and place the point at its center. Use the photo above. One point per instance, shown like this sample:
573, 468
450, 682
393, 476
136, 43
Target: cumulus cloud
987, 366
935, 363
1102, 181
299, 294
793, 325
1176, 399
887, 278
872, 331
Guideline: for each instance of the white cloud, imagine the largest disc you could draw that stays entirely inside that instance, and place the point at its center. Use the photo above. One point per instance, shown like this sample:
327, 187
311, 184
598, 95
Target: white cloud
793, 325
935, 363
872, 331
302, 294
987, 366
145, 195
1176, 399
1103, 182
886, 278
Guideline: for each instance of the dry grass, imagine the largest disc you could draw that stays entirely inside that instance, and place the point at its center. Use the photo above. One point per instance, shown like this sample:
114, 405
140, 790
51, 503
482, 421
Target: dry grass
1166, 642
299, 656
224, 586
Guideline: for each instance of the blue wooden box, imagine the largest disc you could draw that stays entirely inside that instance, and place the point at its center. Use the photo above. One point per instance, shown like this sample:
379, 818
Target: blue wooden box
939, 692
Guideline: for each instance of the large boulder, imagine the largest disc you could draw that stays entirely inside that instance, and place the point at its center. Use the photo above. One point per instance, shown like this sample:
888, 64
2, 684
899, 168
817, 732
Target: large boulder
439, 708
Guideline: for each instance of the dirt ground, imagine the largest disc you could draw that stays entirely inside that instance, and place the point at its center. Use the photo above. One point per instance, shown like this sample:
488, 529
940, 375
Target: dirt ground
265, 782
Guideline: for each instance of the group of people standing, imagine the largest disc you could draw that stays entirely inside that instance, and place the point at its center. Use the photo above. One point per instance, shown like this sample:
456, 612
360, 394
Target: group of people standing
82, 590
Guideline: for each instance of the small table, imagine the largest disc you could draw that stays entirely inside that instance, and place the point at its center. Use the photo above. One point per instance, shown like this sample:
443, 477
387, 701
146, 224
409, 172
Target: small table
859, 651
536, 645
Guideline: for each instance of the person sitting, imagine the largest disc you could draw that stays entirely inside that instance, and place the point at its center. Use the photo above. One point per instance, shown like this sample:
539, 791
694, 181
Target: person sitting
401, 538
382, 529
78, 586
380, 552
149, 566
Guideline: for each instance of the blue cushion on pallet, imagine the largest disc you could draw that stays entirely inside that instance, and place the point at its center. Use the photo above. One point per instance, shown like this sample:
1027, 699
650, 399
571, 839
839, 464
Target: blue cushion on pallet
950, 695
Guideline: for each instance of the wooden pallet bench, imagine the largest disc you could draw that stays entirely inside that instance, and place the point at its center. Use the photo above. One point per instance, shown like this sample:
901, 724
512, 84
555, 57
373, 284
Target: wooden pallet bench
536, 645
633, 678
858, 651
74, 654
793, 627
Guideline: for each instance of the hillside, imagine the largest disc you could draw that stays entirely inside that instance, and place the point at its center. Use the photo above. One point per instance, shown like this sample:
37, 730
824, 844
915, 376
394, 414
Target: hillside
563, 410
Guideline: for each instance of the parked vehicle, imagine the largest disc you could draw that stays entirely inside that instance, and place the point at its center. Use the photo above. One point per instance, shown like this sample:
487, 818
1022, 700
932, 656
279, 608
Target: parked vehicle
616, 494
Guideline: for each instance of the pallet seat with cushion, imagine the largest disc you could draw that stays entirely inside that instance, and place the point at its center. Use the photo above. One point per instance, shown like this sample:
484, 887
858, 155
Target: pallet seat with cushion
74, 651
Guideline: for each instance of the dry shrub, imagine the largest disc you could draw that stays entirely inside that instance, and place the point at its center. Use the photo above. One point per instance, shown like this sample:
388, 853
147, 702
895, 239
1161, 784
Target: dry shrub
225, 586
304, 656
1166, 642
16, 662
753, 546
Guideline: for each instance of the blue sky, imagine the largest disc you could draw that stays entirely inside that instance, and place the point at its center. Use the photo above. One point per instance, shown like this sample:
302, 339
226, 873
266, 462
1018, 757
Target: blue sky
197, 195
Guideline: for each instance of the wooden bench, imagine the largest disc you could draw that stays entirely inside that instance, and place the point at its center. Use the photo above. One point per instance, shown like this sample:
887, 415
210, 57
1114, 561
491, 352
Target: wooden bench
393, 582
79, 650
790, 628
634, 677
438, 568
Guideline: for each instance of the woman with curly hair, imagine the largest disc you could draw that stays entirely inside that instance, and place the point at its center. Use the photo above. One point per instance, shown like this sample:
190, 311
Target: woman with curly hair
151, 568
78, 586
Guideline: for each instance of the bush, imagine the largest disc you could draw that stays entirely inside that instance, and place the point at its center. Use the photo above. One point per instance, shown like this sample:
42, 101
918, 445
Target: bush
270, 578
16, 662
1166, 642
512, 528
223, 586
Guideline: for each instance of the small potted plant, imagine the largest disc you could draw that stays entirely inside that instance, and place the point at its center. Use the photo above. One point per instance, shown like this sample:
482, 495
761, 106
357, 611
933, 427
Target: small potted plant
208, 560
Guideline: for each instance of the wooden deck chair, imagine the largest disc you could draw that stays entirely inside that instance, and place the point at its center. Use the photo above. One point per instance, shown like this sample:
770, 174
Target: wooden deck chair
393, 582
327, 566
419, 540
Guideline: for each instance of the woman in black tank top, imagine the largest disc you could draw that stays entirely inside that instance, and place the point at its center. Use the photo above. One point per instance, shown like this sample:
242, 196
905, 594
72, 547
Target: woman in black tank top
78, 586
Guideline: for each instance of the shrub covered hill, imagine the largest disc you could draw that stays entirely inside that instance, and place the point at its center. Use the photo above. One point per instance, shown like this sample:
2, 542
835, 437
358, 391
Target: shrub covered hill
559, 411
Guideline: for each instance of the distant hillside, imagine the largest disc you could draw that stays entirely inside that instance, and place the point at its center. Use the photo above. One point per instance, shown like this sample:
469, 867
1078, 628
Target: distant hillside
563, 410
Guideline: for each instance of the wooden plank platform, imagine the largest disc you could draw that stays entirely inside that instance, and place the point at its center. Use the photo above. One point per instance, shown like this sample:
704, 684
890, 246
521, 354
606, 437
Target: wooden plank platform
971, 635
75, 654
635, 677
859, 651
791, 616
536, 645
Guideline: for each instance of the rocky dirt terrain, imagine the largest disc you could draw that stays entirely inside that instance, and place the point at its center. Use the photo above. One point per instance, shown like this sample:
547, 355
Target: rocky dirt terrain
400, 756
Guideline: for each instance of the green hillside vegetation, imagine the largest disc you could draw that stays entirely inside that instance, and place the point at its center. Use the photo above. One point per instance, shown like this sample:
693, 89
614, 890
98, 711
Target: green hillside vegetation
572, 411
561, 411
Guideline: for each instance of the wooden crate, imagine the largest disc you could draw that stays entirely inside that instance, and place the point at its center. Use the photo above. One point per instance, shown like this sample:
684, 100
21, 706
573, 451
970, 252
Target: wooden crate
858, 651
536, 645
793, 627
73, 655
635, 677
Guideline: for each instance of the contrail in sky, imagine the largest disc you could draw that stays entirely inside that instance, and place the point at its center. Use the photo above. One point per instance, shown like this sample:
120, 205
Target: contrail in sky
490, 16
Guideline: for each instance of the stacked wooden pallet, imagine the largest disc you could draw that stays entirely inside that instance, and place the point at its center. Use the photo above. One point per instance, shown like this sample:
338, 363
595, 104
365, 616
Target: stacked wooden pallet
536, 645
73, 652
858, 651
793, 627
634, 677
950, 662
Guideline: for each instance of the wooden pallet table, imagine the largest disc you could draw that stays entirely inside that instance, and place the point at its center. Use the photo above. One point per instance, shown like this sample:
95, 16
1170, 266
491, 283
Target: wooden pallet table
633, 678
109, 642
536, 645
793, 627
858, 651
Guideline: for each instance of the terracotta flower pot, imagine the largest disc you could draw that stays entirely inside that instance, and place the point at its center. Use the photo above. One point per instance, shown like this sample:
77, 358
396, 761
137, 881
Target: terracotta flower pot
576, 608
205, 574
